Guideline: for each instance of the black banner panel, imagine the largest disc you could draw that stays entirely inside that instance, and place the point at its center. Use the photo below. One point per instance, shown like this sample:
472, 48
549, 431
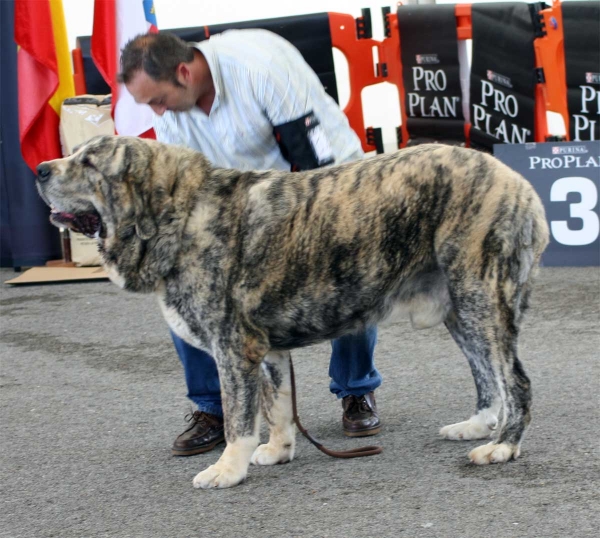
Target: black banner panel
581, 28
502, 75
566, 176
431, 74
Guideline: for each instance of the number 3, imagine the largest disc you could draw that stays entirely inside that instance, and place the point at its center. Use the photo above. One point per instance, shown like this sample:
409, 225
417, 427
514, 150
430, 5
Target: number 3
583, 210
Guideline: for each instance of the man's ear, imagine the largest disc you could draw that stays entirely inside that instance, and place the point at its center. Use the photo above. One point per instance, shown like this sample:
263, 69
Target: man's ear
183, 73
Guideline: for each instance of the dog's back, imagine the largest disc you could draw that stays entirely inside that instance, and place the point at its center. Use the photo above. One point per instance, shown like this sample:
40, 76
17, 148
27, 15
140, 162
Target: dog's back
332, 250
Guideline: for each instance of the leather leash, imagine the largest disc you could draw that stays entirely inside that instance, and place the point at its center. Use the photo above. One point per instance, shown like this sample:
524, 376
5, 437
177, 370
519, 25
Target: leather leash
352, 453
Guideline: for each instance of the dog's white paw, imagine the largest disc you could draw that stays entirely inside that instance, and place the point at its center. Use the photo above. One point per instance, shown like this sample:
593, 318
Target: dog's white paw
218, 476
467, 430
271, 454
493, 453
479, 426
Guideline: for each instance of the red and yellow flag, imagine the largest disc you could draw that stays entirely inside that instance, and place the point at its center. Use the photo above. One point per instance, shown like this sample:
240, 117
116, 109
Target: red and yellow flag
45, 76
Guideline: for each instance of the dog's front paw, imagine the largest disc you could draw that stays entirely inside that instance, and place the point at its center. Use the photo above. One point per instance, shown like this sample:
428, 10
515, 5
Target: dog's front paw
218, 476
467, 430
271, 454
493, 453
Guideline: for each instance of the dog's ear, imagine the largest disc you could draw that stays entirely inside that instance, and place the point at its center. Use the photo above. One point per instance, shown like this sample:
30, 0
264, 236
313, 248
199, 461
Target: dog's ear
145, 225
120, 162
131, 162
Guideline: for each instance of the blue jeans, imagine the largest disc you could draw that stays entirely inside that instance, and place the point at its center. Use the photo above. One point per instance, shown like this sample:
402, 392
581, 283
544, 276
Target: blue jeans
351, 369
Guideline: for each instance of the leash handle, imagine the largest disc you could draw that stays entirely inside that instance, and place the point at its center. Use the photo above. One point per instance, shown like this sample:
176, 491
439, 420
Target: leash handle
352, 453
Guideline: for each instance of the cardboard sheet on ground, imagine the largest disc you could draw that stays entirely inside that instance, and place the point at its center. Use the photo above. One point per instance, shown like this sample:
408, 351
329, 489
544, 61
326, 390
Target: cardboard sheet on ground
48, 275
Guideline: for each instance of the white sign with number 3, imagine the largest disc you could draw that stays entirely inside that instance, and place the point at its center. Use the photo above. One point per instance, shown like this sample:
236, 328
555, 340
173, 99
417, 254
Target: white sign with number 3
583, 210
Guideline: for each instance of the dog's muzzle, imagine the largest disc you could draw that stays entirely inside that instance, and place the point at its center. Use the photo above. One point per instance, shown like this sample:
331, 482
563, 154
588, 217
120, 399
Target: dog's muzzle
88, 224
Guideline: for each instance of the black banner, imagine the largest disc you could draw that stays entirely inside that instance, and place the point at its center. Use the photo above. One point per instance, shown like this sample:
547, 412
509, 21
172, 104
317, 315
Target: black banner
502, 75
431, 74
566, 176
581, 21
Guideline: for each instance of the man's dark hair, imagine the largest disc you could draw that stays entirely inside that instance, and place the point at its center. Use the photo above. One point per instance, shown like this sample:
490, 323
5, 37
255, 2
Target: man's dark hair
156, 54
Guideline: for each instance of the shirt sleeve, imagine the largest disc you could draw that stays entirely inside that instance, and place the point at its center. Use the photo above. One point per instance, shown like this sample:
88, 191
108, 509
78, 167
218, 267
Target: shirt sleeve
287, 95
282, 94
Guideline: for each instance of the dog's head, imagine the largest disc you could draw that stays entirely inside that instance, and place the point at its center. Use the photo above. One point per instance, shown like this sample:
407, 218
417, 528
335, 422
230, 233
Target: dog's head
129, 193
100, 187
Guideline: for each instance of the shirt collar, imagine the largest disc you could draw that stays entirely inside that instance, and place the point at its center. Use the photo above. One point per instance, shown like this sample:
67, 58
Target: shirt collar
207, 49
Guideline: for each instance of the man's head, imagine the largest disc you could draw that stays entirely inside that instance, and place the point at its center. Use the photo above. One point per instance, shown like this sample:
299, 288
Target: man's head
163, 71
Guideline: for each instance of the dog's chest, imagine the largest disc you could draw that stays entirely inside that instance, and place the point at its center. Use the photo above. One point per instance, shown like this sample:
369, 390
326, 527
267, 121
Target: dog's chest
178, 324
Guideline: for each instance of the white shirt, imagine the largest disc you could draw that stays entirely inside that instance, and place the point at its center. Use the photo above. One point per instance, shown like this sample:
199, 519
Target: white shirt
261, 80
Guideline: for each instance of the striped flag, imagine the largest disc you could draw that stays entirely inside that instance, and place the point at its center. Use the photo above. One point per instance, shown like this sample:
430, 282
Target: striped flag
45, 77
115, 23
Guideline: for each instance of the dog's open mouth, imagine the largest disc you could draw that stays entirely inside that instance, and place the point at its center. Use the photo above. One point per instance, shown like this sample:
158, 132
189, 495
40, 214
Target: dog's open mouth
88, 224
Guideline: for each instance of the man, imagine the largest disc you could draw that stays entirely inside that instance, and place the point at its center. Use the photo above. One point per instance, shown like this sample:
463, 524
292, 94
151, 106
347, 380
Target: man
247, 99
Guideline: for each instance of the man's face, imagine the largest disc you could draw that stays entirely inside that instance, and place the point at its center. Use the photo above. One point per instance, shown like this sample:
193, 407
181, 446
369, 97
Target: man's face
161, 95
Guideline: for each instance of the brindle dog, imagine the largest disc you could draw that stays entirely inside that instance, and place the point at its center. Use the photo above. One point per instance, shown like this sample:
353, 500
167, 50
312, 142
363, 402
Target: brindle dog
249, 265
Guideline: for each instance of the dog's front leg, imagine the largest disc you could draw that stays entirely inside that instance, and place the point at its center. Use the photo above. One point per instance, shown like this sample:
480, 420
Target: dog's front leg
276, 402
239, 378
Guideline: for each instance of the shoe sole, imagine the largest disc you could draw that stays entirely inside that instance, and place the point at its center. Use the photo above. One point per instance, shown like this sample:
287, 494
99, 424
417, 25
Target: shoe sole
193, 452
362, 433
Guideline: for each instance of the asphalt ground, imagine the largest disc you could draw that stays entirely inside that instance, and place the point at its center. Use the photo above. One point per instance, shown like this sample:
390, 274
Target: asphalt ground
92, 397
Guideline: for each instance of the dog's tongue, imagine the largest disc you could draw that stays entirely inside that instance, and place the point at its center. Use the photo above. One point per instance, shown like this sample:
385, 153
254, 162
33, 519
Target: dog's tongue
85, 223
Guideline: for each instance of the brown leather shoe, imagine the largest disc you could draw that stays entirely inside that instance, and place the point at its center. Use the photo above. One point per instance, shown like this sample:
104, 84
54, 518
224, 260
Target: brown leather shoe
360, 417
204, 433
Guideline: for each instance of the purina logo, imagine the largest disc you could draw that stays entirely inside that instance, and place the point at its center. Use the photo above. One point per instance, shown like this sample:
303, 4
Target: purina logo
423, 59
592, 78
499, 79
569, 150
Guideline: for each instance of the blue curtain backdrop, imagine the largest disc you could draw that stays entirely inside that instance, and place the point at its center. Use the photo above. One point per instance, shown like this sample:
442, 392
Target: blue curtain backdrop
26, 236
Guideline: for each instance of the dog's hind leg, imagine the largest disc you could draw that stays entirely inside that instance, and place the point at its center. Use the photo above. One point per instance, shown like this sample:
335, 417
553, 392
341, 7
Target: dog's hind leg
485, 420
239, 373
276, 403
485, 323
512, 379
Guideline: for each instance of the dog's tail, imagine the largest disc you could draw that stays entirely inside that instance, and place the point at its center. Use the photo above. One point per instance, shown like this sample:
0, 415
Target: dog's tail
532, 239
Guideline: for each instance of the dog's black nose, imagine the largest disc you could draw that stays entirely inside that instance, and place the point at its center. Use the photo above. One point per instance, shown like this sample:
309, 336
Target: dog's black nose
43, 171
